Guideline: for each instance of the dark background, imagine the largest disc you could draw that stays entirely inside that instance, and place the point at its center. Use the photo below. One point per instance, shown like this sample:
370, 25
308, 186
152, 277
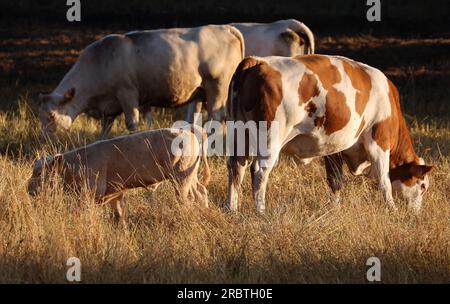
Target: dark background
411, 44
398, 16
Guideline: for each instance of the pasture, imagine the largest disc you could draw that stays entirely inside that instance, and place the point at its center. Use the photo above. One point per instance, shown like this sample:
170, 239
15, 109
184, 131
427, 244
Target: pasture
302, 239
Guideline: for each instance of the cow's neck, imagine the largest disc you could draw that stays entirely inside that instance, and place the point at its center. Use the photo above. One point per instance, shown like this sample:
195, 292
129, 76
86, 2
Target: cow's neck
403, 150
80, 101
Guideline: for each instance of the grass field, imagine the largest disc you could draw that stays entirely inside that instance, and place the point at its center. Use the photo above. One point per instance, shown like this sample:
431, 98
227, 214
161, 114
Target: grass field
303, 238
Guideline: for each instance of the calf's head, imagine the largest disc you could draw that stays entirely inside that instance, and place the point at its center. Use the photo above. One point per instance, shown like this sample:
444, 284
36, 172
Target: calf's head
42, 173
53, 111
411, 181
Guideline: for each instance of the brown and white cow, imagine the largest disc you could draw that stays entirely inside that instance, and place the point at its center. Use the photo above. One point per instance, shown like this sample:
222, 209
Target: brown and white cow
144, 159
287, 38
323, 105
162, 68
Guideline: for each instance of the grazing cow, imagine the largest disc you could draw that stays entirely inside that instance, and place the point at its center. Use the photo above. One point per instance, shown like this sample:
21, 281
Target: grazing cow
143, 159
323, 105
281, 38
163, 68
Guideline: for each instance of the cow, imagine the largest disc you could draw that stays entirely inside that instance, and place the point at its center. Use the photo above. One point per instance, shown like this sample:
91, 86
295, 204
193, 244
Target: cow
163, 68
321, 106
144, 159
280, 38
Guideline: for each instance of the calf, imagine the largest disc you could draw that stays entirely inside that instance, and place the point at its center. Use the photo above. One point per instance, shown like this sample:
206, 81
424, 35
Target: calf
145, 159
323, 105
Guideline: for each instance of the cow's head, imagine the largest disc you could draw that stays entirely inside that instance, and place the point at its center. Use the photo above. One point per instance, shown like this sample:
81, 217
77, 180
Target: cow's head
42, 172
411, 182
291, 43
53, 111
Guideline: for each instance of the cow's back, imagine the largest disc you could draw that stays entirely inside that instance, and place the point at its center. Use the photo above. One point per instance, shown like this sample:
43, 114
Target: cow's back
171, 64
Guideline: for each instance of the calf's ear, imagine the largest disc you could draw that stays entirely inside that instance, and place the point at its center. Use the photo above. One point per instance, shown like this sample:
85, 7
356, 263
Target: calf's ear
419, 171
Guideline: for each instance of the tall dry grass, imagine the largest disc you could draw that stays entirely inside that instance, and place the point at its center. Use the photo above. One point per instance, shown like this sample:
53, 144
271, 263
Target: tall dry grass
302, 238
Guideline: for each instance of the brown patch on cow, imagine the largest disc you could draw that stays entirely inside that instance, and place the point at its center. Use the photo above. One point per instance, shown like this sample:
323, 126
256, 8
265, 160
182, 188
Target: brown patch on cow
402, 173
311, 108
337, 113
409, 173
361, 127
260, 90
361, 81
308, 88
318, 121
392, 133
382, 133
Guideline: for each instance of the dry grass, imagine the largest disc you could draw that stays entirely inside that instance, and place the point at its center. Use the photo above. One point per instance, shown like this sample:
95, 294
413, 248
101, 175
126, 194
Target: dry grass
302, 238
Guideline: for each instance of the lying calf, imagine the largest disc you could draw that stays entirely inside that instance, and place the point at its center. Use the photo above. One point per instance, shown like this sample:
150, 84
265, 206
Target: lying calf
144, 159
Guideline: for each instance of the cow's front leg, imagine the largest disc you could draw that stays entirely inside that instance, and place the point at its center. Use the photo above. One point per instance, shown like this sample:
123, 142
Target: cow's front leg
116, 201
107, 123
260, 177
236, 172
380, 170
130, 105
334, 169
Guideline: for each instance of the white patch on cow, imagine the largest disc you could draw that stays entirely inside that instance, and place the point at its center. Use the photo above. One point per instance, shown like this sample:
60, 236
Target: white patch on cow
414, 194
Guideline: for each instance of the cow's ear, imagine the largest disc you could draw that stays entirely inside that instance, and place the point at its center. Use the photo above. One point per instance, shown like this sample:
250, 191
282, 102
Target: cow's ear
303, 38
289, 36
68, 96
419, 171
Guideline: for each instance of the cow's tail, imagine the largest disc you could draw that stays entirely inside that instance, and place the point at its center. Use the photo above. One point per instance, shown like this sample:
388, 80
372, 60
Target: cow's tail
237, 33
236, 82
304, 32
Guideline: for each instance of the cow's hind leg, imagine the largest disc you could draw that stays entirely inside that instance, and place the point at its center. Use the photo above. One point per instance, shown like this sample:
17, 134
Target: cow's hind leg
260, 170
193, 108
129, 101
236, 171
334, 169
148, 116
216, 91
184, 189
201, 194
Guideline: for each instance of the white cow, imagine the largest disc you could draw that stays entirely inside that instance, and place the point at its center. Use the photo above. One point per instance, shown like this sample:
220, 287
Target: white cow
322, 105
286, 38
164, 68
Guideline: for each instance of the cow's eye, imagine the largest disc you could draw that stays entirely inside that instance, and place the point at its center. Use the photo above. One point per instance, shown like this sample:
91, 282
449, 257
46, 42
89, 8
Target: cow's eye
423, 187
